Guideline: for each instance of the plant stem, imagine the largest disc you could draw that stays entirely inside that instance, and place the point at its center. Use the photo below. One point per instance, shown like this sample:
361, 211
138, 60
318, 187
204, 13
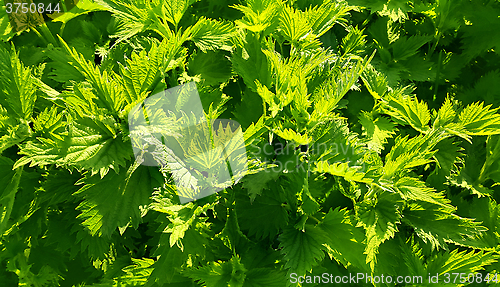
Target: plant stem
48, 34
436, 80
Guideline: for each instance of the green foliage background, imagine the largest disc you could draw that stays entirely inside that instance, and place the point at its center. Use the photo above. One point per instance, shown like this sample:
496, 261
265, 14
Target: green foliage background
372, 131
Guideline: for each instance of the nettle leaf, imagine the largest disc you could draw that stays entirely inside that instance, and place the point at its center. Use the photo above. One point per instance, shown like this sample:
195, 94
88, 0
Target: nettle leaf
249, 111
61, 70
459, 262
323, 17
471, 175
254, 131
413, 257
201, 159
413, 189
97, 248
479, 120
17, 92
484, 34
408, 153
258, 277
275, 105
49, 122
143, 71
256, 183
83, 100
12, 133
437, 225
167, 268
136, 274
298, 184
446, 114
108, 91
336, 145
231, 235
259, 15
290, 79
375, 82
309, 204
293, 24
208, 34
251, 64
448, 155
263, 217
463, 179
326, 98
172, 11
409, 110
485, 89
376, 130
302, 249
491, 168
328, 94
354, 42
344, 170
116, 200
485, 210
93, 143
6, 120
404, 48
292, 136
218, 274
418, 69
181, 218
345, 241
379, 216
213, 67
185, 237
9, 179
133, 16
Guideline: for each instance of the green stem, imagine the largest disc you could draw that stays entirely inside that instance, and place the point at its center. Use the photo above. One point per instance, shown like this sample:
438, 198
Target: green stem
314, 218
483, 175
436, 80
64, 6
292, 49
39, 35
48, 34
367, 20
9, 196
61, 31
433, 49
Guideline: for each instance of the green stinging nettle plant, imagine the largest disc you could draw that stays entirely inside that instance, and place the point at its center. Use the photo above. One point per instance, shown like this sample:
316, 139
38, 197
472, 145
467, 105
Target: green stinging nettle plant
371, 128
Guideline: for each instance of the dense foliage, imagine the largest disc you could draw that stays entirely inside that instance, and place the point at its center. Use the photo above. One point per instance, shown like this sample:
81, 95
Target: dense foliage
371, 128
